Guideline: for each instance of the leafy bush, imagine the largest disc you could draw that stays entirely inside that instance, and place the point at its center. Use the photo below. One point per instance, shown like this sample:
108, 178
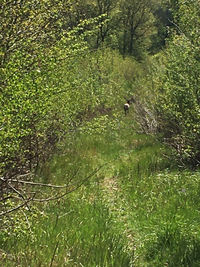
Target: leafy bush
179, 95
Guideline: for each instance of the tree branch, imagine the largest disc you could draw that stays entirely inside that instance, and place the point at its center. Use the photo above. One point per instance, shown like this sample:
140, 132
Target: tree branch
16, 208
72, 190
39, 184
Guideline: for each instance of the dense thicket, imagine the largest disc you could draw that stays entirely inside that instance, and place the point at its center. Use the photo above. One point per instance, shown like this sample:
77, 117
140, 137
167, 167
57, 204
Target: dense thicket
179, 93
66, 68
61, 61
42, 90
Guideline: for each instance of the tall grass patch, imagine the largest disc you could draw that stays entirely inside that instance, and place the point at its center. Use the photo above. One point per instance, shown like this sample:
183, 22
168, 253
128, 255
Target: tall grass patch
164, 212
149, 217
74, 232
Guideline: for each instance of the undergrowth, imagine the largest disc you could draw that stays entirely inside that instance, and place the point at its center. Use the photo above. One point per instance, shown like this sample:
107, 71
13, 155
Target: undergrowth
152, 205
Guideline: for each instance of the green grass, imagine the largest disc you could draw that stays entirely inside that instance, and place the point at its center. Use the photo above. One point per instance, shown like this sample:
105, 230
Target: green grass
138, 210
78, 236
164, 212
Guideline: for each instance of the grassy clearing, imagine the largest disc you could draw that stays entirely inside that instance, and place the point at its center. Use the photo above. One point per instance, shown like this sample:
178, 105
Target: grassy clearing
136, 211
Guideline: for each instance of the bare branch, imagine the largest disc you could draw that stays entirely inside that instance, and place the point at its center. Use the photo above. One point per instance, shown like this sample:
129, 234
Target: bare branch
39, 184
16, 208
16, 191
19, 193
54, 253
5, 198
25, 175
72, 190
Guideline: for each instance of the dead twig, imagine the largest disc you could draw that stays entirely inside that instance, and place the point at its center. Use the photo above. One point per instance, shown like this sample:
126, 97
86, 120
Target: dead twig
54, 253
16, 208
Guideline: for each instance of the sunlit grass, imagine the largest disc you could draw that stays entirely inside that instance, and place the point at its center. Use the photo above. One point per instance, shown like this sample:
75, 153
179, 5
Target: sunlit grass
73, 232
164, 212
158, 204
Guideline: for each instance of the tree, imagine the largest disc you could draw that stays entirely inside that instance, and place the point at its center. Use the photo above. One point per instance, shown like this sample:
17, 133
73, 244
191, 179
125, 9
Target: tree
137, 23
163, 21
38, 54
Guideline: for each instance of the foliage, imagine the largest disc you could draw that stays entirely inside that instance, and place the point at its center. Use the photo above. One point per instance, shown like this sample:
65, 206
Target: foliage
163, 22
44, 104
43, 91
58, 92
137, 21
129, 26
178, 100
76, 227
134, 211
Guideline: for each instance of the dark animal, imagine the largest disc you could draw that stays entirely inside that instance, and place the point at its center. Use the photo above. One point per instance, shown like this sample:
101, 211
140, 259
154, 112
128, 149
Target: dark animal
127, 105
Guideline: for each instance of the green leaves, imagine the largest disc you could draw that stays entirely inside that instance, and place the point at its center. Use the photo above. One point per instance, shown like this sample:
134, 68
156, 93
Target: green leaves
179, 98
38, 50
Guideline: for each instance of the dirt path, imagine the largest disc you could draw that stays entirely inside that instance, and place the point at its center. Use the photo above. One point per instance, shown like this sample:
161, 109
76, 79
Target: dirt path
118, 207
